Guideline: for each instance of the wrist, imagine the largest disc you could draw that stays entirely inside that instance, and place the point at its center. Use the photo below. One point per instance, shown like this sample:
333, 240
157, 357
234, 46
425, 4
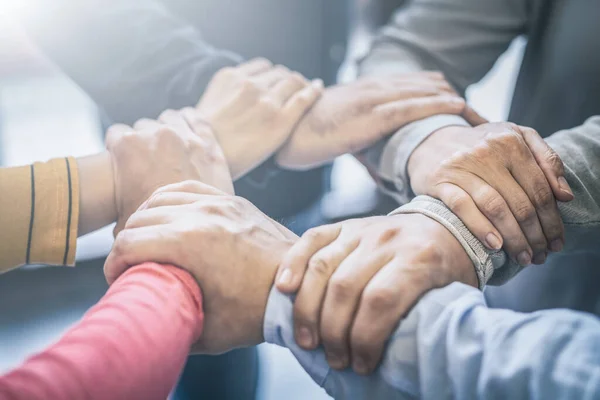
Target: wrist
96, 192
455, 260
420, 162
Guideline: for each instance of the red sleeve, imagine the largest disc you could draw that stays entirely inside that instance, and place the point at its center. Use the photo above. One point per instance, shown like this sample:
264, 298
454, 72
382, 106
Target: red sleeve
132, 345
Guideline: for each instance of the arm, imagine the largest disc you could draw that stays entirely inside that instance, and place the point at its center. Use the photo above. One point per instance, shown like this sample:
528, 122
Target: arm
452, 346
44, 206
462, 39
134, 58
578, 148
106, 355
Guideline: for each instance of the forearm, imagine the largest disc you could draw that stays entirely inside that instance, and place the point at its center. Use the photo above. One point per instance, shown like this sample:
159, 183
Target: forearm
44, 207
462, 39
39, 211
97, 206
131, 345
578, 149
452, 346
489, 353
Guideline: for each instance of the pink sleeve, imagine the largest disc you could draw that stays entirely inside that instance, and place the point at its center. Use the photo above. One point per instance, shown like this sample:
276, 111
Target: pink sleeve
132, 345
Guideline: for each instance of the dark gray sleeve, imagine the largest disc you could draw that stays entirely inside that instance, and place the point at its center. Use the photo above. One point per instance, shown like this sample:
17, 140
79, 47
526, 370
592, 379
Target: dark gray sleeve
579, 148
461, 38
134, 58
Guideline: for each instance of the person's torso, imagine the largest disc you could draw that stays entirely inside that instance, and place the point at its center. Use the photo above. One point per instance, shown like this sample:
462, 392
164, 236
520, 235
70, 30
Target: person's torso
308, 36
559, 82
558, 88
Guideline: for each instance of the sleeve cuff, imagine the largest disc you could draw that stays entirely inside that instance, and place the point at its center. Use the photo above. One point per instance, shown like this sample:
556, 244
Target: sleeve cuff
485, 261
391, 159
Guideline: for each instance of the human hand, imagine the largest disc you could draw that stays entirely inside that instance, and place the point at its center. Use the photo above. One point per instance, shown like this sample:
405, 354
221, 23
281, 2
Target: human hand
501, 180
350, 118
229, 246
155, 153
356, 279
253, 108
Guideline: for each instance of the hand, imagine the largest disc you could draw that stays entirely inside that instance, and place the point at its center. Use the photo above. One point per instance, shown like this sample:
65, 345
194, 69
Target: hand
501, 180
357, 279
227, 244
253, 109
350, 118
156, 153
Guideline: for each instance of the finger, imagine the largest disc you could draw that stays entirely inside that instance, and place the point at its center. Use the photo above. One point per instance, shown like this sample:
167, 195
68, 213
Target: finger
173, 118
115, 132
307, 307
528, 174
271, 77
190, 186
437, 86
496, 209
550, 163
293, 265
151, 216
164, 199
473, 116
461, 204
255, 66
387, 298
341, 301
146, 123
526, 215
303, 100
283, 90
135, 246
394, 115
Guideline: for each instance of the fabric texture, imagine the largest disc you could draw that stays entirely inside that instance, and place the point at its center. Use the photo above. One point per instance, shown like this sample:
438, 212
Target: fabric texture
39, 213
132, 345
451, 346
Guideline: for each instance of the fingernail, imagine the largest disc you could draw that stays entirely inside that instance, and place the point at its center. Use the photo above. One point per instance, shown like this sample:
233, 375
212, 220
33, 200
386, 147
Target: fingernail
524, 259
556, 245
539, 258
493, 241
285, 278
336, 361
564, 185
360, 366
305, 337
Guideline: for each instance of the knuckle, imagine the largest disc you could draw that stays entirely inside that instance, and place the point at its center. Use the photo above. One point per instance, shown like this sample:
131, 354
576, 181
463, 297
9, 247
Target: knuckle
457, 202
387, 235
167, 133
342, 288
554, 160
268, 105
524, 212
542, 197
494, 207
250, 89
314, 235
319, 266
123, 242
380, 299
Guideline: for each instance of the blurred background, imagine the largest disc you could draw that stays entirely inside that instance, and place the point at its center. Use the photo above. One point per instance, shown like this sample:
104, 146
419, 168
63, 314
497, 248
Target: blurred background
45, 114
